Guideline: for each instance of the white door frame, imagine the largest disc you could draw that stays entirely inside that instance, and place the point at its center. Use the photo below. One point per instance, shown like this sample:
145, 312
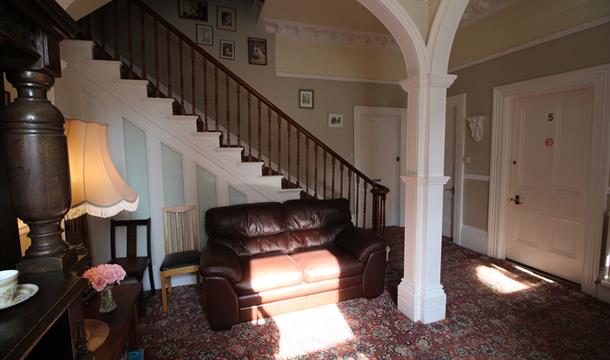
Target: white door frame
459, 101
384, 110
596, 78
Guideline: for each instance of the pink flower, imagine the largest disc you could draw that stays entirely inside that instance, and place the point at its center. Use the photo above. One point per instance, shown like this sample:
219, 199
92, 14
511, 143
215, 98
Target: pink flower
99, 284
103, 275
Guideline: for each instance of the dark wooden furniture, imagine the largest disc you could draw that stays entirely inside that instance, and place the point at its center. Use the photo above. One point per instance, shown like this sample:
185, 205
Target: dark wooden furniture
48, 323
133, 264
123, 322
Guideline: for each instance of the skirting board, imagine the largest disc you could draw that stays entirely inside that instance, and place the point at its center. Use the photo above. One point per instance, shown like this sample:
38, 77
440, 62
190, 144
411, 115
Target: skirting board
474, 239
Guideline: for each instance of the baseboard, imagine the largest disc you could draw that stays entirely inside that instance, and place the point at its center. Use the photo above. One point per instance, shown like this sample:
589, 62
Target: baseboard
474, 239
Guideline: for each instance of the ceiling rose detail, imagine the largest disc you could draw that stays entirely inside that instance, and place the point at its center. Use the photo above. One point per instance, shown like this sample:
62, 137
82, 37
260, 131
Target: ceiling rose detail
330, 35
478, 9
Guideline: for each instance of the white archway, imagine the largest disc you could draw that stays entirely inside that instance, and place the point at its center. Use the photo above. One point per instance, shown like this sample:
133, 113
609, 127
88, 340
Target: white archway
420, 294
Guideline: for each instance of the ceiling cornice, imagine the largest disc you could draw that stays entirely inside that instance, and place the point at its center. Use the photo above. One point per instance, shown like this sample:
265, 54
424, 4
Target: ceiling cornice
330, 35
478, 9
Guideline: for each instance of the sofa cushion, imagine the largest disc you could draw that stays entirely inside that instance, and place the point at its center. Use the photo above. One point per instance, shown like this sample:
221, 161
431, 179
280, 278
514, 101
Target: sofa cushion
268, 272
326, 264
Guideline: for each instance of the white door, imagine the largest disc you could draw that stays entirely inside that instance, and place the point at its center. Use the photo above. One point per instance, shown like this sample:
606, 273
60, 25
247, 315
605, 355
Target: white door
377, 154
449, 188
551, 156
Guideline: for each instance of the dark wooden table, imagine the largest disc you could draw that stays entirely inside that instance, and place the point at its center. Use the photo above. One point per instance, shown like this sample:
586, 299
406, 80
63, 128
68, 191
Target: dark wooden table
123, 321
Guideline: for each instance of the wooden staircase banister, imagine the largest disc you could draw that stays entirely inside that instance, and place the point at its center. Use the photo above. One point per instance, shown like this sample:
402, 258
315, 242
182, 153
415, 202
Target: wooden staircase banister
378, 190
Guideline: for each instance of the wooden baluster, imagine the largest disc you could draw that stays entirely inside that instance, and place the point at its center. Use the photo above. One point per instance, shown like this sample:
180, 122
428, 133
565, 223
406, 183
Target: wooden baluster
238, 115
364, 208
324, 176
217, 119
315, 171
341, 180
205, 94
298, 158
259, 131
307, 165
332, 188
269, 138
288, 145
90, 27
249, 127
170, 94
103, 28
155, 33
181, 76
279, 144
193, 78
115, 6
357, 197
129, 40
349, 185
142, 44
228, 111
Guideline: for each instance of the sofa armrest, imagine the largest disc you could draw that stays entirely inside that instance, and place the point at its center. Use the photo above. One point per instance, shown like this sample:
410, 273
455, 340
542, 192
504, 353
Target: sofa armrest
360, 243
219, 261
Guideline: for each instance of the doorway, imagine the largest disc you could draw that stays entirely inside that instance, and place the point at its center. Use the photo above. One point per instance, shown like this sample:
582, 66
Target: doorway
454, 166
378, 153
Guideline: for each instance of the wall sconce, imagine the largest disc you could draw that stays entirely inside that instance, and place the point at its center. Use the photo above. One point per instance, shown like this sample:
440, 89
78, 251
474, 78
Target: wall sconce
475, 123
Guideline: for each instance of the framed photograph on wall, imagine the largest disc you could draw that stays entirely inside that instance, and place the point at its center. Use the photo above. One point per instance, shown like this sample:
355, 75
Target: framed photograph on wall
305, 99
335, 120
226, 18
227, 49
205, 34
193, 9
257, 51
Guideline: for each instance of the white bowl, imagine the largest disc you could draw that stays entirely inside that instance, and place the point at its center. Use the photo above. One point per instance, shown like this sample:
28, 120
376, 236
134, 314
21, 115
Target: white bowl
8, 286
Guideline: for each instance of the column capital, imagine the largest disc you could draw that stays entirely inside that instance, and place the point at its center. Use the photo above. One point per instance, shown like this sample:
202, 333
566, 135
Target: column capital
432, 80
412, 177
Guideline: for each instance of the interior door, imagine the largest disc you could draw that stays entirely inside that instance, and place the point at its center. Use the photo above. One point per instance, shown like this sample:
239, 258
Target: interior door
377, 156
449, 188
550, 152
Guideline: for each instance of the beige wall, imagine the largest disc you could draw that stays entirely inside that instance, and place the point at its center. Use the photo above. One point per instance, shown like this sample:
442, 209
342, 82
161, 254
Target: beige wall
584, 49
330, 96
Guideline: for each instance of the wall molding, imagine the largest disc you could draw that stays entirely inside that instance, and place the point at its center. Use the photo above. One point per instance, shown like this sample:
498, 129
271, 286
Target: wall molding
474, 239
533, 43
335, 78
330, 35
478, 9
476, 177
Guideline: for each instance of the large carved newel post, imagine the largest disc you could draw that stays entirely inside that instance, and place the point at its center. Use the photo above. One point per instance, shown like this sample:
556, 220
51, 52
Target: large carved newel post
37, 163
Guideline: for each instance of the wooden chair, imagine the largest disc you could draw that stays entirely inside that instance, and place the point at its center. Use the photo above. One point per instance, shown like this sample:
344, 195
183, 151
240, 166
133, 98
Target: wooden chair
133, 264
182, 255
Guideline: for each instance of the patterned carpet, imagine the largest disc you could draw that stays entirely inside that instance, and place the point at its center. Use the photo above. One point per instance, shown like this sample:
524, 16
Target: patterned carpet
494, 310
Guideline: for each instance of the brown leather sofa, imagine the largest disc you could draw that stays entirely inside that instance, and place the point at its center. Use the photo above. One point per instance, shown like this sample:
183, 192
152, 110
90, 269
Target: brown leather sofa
269, 258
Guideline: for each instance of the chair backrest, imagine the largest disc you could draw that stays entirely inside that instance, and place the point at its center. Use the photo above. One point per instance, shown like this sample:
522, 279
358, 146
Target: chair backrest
132, 236
181, 230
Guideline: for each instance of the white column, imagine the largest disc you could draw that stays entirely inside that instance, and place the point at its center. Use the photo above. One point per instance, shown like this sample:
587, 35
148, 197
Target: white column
420, 294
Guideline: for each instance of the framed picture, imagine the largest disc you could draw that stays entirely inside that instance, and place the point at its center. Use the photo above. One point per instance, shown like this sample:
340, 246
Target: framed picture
193, 9
227, 49
257, 51
305, 99
226, 18
335, 120
204, 34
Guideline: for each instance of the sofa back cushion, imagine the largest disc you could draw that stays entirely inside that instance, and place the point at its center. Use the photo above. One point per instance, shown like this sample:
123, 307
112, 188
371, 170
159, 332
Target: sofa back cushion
261, 228
315, 223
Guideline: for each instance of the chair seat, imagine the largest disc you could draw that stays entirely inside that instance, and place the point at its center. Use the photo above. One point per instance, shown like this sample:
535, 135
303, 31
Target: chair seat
267, 273
327, 264
180, 259
132, 266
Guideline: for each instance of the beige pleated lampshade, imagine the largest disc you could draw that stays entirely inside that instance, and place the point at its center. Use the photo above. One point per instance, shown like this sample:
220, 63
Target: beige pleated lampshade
97, 187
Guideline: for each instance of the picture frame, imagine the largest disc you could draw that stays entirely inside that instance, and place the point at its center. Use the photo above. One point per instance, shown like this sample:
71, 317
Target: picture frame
226, 18
205, 34
257, 51
306, 98
227, 49
193, 9
335, 120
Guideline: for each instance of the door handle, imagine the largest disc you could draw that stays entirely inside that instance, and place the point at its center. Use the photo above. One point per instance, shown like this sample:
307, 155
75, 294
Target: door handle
516, 200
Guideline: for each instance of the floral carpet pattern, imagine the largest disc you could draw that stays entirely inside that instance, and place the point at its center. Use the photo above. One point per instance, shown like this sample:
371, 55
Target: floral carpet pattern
495, 310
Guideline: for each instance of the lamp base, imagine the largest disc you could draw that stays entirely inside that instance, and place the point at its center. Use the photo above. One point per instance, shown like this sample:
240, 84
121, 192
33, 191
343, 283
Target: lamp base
59, 262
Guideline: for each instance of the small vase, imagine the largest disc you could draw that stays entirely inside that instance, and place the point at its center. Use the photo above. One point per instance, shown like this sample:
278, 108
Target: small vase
107, 303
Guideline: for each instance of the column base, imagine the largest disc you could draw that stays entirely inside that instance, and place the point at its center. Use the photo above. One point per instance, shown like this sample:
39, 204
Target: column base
426, 306
59, 262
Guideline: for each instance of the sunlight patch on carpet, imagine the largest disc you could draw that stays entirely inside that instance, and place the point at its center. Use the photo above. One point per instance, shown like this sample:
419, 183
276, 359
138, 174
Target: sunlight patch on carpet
498, 280
310, 330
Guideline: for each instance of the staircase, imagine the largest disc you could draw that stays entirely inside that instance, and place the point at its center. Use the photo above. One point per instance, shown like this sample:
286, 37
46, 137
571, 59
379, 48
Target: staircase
215, 106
